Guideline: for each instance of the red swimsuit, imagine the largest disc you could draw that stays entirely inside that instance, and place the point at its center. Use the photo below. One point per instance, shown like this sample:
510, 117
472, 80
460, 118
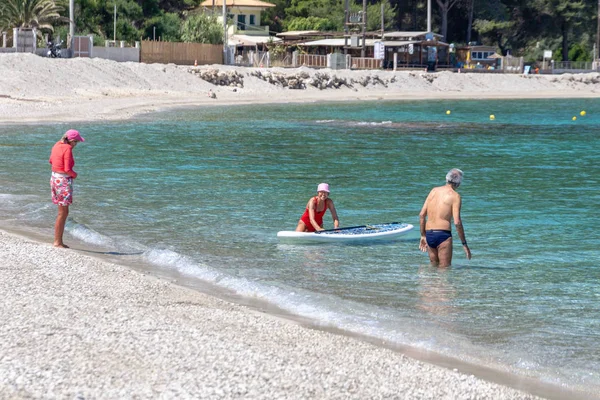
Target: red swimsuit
318, 216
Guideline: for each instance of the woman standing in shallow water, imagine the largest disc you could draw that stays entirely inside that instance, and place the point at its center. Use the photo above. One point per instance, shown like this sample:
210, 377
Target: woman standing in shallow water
61, 181
312, 219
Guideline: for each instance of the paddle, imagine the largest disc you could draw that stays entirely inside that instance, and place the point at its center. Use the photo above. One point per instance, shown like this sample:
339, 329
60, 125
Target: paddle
351, 227
342, 229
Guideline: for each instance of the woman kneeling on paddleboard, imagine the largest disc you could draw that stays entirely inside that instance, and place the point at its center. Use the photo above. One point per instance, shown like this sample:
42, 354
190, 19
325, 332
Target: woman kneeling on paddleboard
312, 219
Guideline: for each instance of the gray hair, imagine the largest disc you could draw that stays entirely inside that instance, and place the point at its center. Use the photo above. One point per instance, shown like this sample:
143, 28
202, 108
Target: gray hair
454, 176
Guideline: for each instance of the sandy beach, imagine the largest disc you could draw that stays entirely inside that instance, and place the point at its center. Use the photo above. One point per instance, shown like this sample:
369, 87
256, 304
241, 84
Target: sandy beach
78, 326
35, 89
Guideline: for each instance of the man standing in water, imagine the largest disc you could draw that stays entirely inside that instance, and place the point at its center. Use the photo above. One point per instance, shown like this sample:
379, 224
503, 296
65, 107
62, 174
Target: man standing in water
441, 206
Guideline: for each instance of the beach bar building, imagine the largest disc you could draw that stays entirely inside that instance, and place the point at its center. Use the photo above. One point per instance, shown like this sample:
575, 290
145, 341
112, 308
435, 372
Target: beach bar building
394, 50
477, 56
415, 49
323, 49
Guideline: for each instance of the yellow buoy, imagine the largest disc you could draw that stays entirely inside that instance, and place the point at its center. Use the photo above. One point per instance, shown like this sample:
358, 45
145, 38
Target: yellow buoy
492, 117
582, 113
574, 118
448, 112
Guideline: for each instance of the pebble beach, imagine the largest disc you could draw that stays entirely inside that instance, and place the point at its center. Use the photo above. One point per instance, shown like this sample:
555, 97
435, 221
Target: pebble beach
78, 327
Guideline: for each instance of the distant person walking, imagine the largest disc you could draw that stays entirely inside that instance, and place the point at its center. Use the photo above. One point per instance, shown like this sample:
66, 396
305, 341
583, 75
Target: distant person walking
441, 207
61, 181
312, 219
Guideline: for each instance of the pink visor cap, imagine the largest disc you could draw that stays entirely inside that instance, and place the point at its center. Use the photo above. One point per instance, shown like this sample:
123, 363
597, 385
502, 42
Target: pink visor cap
72, 134
323, 187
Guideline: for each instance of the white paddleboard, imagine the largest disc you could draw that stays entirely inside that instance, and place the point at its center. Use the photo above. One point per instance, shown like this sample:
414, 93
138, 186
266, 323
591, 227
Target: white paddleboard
351, 234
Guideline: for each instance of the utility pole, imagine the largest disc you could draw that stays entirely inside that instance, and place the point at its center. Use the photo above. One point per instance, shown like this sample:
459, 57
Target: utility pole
383, 20
225, 31
598, 32
115, 26
346, 31
429, 15
71, 19
364, 30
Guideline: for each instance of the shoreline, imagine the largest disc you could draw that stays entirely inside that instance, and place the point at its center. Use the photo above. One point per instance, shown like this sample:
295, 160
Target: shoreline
148, 106
459, 379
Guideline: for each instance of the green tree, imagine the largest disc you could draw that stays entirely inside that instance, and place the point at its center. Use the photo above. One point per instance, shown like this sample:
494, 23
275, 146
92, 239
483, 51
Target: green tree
89, 16
177, 6
333, 10
129, 18
166, 26
562, 17
150, 8
501, 23
202, 28
135, 18
39, 14
299, 12
310, 24
274, 16
445, 7
497, 31
470, 7
580, 52
306, 8
411, 14
98, 18
374, 16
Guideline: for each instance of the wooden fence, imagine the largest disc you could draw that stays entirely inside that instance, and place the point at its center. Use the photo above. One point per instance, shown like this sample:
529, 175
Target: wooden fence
180, 53
320, 61
312, 60
366, 63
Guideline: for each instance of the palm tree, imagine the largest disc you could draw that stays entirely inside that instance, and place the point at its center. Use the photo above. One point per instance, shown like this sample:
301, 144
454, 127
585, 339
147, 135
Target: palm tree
39, 14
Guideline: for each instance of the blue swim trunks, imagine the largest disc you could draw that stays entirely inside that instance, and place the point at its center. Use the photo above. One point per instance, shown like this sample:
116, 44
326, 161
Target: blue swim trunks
436, 237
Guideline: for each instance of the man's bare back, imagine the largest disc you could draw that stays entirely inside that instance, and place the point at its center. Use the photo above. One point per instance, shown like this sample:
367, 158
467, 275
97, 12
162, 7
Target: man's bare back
439, 205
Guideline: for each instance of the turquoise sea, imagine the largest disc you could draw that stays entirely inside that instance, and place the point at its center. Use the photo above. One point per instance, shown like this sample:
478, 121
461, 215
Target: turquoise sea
201, 194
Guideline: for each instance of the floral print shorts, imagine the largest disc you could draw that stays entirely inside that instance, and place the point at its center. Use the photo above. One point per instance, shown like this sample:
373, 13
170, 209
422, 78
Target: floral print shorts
62, 189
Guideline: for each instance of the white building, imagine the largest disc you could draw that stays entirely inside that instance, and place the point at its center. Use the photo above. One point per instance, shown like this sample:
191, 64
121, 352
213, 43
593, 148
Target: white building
246, 29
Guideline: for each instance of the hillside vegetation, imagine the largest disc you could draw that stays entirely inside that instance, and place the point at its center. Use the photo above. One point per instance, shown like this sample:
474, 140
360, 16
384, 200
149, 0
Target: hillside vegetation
568, 28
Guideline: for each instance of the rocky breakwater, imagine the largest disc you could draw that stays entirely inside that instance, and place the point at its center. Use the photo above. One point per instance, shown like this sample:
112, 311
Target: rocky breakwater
373, 80
319, 80
297, 80
294, 81
220, 78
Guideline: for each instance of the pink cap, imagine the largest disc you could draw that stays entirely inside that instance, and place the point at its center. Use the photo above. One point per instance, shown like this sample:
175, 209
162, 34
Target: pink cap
323, 187
72, 134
